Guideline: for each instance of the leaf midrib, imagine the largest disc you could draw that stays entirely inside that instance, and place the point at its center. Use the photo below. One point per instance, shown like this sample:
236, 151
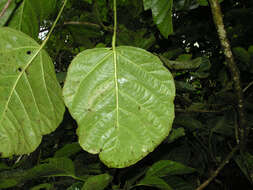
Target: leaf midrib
16, 82
116, 87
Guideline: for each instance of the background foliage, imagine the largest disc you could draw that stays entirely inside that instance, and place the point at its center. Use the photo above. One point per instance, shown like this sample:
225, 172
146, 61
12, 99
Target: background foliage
204, 127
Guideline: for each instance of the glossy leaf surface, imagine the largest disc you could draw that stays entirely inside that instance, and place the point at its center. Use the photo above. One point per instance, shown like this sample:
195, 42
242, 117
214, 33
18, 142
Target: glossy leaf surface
122, 101
30, 96
162, 14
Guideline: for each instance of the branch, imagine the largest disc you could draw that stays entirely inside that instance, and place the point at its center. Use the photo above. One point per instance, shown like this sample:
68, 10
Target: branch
234, 71
248, 86
81, 23
5, 8
216, 172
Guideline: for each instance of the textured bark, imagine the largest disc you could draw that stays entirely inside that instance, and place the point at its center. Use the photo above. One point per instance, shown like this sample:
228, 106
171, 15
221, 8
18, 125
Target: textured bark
235, 75
234, 71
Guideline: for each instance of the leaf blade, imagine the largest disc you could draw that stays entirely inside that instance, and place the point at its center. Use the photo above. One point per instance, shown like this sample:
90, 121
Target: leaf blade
31, 103
145, 103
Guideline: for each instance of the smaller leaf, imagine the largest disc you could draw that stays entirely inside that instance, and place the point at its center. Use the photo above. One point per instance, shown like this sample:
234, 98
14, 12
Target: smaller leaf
46, 186
8, 183
245, 163
25, 19
55, 167
224, 125
188, 122
243, 56
182, 65
178, 183
162, 15
152, 181
61, 76
98, 182
68, 150
167, 167
88, 1
184, 57
184, 86
147, 4
3, 166
4, 18
205, 64
175, 134
44, 8
250, 50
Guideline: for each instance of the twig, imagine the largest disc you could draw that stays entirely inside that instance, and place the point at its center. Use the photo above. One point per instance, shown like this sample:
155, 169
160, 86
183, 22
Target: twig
249, 85
5, 8
81, 23
217, 171
234, 71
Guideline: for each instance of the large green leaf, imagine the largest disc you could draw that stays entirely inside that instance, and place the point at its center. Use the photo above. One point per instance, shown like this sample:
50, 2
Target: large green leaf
8, 12
122, 101
25, 19
30, 96
162, 14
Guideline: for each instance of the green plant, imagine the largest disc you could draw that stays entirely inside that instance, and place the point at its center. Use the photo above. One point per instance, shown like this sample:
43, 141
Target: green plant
120, 99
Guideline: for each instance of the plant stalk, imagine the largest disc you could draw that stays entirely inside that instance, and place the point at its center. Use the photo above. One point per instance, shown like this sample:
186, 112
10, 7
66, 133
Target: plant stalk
217, 171
54, 24
115, 25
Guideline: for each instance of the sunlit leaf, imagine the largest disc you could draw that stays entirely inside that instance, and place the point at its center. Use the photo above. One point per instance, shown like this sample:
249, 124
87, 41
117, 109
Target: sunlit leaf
122, 102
